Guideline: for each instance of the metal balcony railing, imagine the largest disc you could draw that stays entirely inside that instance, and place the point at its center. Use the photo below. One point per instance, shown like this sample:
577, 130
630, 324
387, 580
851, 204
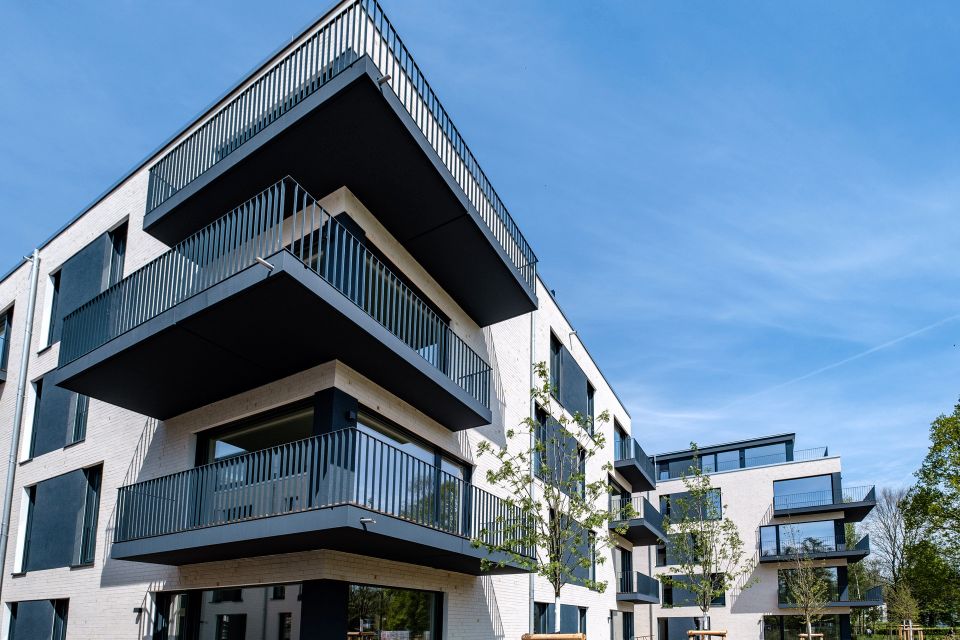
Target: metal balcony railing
629, 449
345, 467
284, 216
357, 29
799, 455
823, 498
813, 547
627, 507
636, 582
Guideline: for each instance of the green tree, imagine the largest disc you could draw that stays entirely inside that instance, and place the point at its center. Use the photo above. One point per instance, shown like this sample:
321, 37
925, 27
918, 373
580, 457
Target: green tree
807, 585
935, 502
543, 470
935, 582
902, 607
707, 545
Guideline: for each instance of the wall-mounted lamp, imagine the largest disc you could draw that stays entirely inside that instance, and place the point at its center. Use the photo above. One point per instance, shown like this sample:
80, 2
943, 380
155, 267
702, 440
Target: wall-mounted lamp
265, 263
384, 80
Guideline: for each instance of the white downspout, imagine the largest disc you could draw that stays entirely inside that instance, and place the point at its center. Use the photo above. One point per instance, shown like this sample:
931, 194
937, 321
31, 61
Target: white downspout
18, 414
533, 415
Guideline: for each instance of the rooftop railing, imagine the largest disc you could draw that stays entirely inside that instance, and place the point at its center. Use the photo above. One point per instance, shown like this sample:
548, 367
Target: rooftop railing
283, 216
346, 467
824, 498
636, 582
629, 449
357, 29
708, 466
629, 507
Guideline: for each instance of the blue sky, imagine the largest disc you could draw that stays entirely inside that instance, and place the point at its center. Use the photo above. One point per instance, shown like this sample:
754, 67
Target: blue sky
749, 210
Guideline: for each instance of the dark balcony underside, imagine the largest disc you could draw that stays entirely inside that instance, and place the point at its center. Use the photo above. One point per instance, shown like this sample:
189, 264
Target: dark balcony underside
852, 511
336, 528
640, 531
638, 598
351, 133
639, 479
254, 328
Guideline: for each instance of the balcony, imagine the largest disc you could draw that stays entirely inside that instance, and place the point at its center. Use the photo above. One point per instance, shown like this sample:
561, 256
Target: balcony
643, 522
344, 490
349, 106
819, 548
633, 586
855, 502
872, 597
274, 287
634, 464
710, 463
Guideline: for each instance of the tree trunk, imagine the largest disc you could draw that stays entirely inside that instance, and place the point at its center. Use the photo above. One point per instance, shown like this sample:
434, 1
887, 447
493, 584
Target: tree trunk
556, 612
809, 629
705, 619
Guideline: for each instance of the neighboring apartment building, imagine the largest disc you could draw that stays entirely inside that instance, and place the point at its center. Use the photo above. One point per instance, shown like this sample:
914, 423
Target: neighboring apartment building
782, 499
243, 391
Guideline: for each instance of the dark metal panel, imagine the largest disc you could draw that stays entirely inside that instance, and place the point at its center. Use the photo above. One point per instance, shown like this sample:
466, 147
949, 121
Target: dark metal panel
55, 520
323, 609
573, 384
54, 418
34, 619
569, 618
82, 277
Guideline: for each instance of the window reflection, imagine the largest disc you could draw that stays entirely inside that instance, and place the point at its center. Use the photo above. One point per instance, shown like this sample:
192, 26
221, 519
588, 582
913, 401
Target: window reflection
381, 613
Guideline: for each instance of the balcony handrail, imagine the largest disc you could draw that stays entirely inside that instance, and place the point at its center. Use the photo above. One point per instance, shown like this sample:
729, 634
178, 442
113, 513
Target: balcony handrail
799, 455
345, 467
636, 582
824, 497
629, 449
283, 216
360, 28
815, 546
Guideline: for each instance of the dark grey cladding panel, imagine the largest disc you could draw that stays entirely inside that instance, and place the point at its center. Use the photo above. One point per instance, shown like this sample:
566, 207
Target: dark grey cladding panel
573, 384
569, 618
55, 412
82, 277
55, 521
324, 604
34, 620
677, 628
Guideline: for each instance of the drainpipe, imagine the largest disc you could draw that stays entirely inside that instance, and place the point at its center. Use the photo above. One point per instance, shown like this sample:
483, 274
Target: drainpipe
533, 415
18, 414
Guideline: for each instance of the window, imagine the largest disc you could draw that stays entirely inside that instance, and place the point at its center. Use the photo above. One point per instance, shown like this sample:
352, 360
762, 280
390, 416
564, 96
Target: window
670, 504
54, 297
37, 398
582, 619
6, 322
621, 442
829, 576
226, 595
60, 619
285, 628
231, 626
803, 492
766, 454
556, 358
801, 537
82, 406
118, 250
383, 612
40, 619
541, 618
91, 506
790, 627
675, 596
590, 407
279, 593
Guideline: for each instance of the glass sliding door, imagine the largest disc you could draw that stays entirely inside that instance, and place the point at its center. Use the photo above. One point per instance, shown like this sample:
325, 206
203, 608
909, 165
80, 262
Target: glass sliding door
377, 613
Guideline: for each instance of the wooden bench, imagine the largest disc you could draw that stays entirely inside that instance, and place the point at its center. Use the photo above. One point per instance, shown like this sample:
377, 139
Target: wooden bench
811, 636
709, 633
554, 636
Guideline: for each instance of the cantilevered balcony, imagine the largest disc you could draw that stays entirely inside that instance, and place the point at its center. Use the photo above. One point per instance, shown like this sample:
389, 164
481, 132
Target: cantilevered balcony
816, 548
634, 465
872, 597
274, 287
349, 106
633, 586
854, 502
644, 524
344, 490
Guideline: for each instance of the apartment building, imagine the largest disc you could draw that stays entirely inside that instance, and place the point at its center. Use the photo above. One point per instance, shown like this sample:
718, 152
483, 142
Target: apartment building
243, 391
785, 502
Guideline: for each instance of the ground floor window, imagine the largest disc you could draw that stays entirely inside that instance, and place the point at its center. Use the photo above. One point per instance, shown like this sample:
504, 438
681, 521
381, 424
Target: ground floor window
39, 619
621, 625
385, 613
790, 627
242, 613
676, 627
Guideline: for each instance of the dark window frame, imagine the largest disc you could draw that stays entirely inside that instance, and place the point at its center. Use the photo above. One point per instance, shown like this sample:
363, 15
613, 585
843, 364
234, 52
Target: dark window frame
7, 323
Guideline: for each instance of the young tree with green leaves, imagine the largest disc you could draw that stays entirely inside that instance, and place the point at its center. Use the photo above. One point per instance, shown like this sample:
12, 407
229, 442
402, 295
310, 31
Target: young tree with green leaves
707, 546
935, 501
806, 584
542, 469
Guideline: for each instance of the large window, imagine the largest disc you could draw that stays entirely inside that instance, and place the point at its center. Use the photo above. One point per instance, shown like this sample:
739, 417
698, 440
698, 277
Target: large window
801, 537
54, 297
118, 251
81, 409
38, 620
829, 575
676, 596
790, 627
382, 612
91, 506
803, 492
766, 454
590, 406
556, 357
261, 432
238, 613
671, 505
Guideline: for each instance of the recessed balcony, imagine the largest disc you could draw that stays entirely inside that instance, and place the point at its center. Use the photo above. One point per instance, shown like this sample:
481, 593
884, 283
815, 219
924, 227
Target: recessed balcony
633, 586
348, 106
274, 287
632, 462
644, 524
343, 490
855, 502
815, 548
